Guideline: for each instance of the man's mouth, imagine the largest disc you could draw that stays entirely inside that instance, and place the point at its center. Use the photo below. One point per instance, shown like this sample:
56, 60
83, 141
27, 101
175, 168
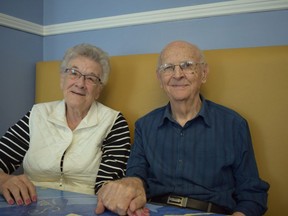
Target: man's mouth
178, 85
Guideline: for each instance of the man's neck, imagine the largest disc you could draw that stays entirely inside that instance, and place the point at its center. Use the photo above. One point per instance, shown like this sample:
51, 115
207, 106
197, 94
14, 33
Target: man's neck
183, 111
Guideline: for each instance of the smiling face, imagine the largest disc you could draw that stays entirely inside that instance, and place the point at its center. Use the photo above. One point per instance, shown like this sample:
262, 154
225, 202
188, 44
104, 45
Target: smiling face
182, 85
78, 94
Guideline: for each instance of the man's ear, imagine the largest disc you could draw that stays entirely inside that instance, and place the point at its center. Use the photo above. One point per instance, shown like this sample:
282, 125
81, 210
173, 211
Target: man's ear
159, 79
205, 73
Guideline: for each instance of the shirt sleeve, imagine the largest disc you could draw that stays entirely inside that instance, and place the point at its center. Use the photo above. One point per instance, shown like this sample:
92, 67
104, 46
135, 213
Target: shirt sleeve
116, 151
251, 192
137, 164
14, 145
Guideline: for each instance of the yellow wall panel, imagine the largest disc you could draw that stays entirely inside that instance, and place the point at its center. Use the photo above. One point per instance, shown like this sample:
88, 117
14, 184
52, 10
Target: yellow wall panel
252, 81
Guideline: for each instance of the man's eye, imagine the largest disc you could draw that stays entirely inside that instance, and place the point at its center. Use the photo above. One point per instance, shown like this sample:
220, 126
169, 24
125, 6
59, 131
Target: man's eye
186, 65
74, 72
169, 68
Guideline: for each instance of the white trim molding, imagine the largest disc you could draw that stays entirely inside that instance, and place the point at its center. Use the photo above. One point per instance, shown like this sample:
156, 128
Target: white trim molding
149, 17
20, 24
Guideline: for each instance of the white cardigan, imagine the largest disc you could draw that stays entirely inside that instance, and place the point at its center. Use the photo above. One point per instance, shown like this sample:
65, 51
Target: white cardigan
50, 137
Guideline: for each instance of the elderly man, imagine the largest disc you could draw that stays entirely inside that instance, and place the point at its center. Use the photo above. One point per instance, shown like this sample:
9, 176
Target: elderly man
191, 150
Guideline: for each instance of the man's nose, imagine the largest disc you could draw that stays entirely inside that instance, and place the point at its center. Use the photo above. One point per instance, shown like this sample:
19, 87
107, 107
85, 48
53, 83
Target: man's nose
178, 72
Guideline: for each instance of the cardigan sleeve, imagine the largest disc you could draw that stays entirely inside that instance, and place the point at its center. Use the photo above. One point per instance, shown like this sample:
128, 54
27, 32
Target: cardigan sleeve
116, 151
14, 145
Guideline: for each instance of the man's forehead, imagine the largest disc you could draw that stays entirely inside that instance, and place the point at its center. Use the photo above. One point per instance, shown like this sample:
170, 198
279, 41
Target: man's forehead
180, 53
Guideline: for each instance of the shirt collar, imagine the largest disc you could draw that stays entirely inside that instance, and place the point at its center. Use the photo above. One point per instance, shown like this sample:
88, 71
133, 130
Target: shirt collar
58, 115
203, 113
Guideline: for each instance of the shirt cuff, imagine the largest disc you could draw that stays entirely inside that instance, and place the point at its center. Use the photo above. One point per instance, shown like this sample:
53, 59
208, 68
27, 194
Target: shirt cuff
250, 208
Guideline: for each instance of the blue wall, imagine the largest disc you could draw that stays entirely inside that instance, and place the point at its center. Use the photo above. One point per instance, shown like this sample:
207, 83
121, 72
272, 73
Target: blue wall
234, 31
30, 10
20, 50
74, 10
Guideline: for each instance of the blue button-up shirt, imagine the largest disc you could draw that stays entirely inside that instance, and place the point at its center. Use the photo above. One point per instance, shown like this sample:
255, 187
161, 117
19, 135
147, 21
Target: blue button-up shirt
211, 158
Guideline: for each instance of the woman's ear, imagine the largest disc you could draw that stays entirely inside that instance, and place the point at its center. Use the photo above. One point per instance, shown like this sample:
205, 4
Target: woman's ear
62, 78
101, 87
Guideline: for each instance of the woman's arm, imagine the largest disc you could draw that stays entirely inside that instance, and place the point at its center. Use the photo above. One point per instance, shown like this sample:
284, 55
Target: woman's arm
14, 145
116, 150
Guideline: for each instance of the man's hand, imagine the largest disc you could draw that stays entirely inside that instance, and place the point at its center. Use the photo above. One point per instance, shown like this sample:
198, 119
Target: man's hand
124, 196
238, 214
17, 189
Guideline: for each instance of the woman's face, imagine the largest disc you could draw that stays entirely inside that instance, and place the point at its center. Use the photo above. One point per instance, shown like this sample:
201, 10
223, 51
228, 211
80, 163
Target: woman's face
80, 92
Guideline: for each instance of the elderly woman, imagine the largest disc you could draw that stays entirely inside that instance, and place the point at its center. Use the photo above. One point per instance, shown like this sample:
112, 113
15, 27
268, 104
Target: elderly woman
75, 144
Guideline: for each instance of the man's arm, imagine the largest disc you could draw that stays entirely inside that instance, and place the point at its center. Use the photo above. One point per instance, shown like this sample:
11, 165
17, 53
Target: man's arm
251, 192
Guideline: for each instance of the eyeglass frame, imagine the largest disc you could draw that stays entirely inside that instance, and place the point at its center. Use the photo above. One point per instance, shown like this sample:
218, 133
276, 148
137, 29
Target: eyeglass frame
161, 68
84, 75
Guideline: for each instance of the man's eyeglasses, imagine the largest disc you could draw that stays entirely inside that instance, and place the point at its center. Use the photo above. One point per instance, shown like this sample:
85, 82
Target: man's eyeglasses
188, 67
75, 74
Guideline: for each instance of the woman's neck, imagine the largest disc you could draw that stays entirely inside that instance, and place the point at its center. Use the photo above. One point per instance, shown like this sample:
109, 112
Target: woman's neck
74, 117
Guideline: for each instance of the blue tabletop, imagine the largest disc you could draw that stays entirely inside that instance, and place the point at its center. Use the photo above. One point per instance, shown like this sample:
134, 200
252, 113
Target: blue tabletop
62, 203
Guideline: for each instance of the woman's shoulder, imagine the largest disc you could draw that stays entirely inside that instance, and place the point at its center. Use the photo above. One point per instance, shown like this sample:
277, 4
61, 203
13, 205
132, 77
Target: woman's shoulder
47, 104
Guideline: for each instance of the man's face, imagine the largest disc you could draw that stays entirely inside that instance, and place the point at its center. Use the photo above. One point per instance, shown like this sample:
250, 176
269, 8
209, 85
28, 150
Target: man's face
184, 82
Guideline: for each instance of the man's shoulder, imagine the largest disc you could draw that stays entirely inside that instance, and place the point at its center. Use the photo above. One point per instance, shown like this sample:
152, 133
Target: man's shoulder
153, 115
222, 110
